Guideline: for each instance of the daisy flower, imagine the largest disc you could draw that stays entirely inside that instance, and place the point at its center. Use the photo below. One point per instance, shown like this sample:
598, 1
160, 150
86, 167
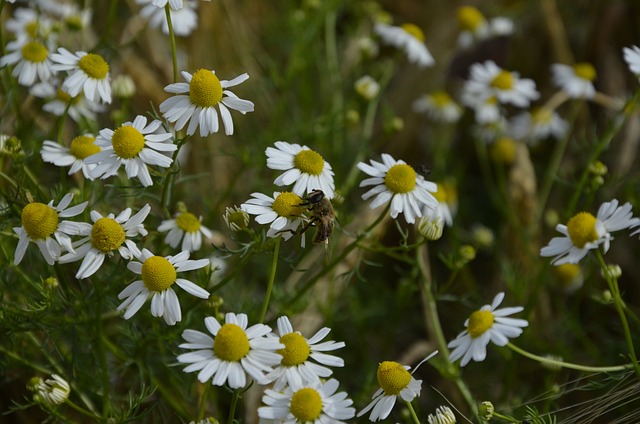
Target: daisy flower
395, 381
367, 87
316, 403
58, 102
407, 37
486, 109
235, 218
576, 80
538, 125
53, 391
184, 19
296, 368
489, 80
474, 27
89, 72
134, 145
443, 415
282, 212
107, 235
197, 99
28, 23
81, 147
632, 57
41, 224
303, 166
396, 182
233, 352
158, 275
485, 325
186, 227
439, 106
584, 232
30, 59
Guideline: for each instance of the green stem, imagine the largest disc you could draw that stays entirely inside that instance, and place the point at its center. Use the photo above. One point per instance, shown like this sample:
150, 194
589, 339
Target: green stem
506, 418
412, 411
617, 298
562, 364
172, 38
234, 402
81, 410
102, 356
272, 277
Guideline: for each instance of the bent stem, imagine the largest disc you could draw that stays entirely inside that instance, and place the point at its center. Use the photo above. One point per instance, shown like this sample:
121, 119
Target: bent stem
272, 277
562, 364
617, 298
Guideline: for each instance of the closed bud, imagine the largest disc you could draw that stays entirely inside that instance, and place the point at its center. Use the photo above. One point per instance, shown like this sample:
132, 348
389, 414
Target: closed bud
486, 410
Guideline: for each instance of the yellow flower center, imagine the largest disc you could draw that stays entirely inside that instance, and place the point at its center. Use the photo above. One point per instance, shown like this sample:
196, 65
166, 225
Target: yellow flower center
504, 150
188, 222
479, 322
469, 18
158, 274
231, 343
306, 405
541, 116
127, 142
83, 146
107, 234
503, 81
400, 178
441, 98
567, 273
74, 23
414, 31
34, 51
582, 229
287, 204
586, 71
441, 194
205, 89
296, 349
39, 220
392, 377
94, 65
309, 162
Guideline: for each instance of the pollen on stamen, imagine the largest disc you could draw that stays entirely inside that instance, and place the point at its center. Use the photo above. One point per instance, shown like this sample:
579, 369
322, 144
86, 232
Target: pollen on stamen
158, 274
296, 349
582, 229
479, 322
503, 81
392, 377
107, 235
231, 343
39, 220
309, 162
188, 222
306, 405
400, 178
287, 204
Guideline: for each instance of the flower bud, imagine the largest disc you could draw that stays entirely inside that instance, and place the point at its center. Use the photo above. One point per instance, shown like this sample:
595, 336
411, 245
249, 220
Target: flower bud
236, 219
486, 410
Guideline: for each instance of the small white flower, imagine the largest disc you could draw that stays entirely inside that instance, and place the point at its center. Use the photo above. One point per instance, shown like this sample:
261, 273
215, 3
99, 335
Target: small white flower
197, 100
81, 147
133, 145
443, 415
30, 59
488, 80
576, 80
41, 224
53, 391
439, 106
396, 182
296, 368
186, 227
107, 235
537, 125
89, 72
485, 325
487, 110
184, 19
28, 23
303, 166
58, 102
367, 87
316, 403
584, 232
282, 212
395, 381
407, 37
158, 275
632, 57
233, 352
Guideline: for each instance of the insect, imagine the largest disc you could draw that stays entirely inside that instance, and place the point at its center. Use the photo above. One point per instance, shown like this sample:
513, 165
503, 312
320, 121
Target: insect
322, 215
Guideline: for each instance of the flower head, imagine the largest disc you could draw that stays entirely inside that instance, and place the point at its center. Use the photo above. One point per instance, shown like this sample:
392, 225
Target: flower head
233, 352
303, 166
443, 415
59, 102
186, 227
407, 37
81, 147
395, 381
537, 125
398, 183
584, 232
184, 19
282, 212
576, 80
235, 218
158, 276
53, 391
632, 57
197, 100
485, 325
41, 224
367, 87
88, 72
315, 402
30, 59
107, 235
439, 106
487, 80
474, 27
133, 145
296, 367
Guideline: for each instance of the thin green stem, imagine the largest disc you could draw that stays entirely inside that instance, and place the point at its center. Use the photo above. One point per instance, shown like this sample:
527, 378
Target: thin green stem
569, 365
102, 356
412, 411
272, 277
81, 410
617, 298
172, 38
234, 402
